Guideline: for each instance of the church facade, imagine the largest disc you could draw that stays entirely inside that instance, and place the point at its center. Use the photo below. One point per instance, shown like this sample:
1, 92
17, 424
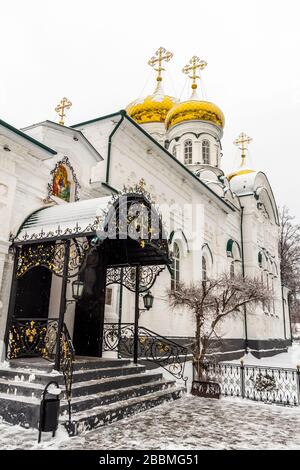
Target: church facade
215, 222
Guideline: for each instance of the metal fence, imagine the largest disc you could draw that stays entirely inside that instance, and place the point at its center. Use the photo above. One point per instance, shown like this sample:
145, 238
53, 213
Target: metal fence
266, 384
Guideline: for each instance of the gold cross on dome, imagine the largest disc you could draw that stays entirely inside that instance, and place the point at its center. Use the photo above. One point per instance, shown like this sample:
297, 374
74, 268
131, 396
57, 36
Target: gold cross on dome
156, 61
242, 141
194, 64
60, 109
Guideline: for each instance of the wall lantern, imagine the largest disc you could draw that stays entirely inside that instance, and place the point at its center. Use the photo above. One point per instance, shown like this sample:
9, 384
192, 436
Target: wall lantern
148, 300
77, 289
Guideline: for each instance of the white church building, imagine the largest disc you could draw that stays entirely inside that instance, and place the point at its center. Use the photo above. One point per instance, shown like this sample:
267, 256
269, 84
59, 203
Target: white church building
55, 178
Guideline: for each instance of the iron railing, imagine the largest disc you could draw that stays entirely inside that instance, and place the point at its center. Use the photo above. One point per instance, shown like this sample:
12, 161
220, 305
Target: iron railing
67, 357
38, 337
32, 337
151, 346
259, 383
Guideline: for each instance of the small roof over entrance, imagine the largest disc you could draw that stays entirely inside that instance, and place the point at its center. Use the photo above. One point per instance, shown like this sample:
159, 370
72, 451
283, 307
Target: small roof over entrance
133, 236
63, 221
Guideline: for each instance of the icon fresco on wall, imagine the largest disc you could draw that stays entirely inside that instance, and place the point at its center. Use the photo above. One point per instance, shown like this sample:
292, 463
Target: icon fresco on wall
64, 183
61, 187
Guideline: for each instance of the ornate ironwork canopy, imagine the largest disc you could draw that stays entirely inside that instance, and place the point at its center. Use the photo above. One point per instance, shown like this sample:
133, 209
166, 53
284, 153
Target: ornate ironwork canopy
128, 226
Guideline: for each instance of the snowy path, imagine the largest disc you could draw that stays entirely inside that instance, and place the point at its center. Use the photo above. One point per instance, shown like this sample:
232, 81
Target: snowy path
189, 423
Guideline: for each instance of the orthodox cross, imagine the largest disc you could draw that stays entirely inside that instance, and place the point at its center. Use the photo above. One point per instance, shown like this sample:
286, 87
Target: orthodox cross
242, 141
156, 61
60, 109
194, 64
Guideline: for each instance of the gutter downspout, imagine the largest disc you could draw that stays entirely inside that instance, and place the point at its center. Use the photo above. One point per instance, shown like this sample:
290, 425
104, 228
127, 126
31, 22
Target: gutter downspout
243, 273
122, 113
283, 310
289, 303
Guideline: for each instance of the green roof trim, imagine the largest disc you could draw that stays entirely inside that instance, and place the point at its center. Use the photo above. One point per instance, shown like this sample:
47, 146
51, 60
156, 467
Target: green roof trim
27, 137
123, 112
107, 116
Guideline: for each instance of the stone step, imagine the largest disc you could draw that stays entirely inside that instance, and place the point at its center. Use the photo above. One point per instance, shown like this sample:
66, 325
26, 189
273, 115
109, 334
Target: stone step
87, 387
25, 411
20, 410
104, 398
112, 383
80, 375
99, 416
81, 363
40, 364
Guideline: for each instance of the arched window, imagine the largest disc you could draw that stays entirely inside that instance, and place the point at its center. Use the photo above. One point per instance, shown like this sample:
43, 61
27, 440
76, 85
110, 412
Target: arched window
206, 152
188, 152
175, 278
204, 269
174, 151
232, 273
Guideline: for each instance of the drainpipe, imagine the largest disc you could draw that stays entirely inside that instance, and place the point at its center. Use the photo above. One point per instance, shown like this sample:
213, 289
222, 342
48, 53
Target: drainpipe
289, 304
283, 310
122, 113
243, 273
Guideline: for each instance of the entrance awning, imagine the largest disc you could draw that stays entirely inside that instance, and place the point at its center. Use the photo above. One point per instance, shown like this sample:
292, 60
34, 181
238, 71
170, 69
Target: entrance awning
103, 218
64, 221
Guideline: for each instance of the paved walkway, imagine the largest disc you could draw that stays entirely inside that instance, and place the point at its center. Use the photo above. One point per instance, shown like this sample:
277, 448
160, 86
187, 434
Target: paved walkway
189, 423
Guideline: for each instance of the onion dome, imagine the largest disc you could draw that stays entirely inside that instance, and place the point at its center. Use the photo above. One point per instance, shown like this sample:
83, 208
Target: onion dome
244, 168
195, 109
155, 107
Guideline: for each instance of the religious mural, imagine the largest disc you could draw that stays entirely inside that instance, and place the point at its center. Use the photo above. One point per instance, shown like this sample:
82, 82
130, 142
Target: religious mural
61, 187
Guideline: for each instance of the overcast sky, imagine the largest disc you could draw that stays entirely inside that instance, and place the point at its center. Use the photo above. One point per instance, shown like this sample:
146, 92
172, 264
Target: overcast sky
95, 52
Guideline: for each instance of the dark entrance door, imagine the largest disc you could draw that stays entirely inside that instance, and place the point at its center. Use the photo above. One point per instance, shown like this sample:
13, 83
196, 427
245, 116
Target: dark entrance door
89, 313
33, 293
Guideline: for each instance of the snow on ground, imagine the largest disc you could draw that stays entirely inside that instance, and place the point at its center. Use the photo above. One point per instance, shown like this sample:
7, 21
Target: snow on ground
188, 423
290, 359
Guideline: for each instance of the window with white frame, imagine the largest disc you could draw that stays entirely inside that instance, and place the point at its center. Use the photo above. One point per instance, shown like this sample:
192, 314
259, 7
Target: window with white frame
188, 152
175, 277
206, 152
174, 151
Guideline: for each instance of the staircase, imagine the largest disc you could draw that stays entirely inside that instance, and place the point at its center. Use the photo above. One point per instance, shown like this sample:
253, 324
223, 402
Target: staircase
103, 391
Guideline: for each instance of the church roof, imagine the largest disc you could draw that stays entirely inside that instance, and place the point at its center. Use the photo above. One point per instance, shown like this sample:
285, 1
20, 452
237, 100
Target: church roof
161, 148
67, 129
16, 131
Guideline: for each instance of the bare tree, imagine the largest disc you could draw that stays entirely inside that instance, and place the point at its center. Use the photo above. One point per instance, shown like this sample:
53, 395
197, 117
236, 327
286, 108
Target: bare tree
211, 302
289, 252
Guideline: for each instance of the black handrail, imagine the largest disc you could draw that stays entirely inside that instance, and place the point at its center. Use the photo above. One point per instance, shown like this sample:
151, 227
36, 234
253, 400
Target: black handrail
67, 357
151, 347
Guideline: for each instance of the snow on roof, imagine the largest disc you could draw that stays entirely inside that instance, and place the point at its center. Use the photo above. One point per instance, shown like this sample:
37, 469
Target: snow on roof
64, 219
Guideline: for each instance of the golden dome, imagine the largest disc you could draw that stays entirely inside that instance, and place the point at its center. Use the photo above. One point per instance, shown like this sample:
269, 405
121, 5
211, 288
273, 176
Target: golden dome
195, 110
153, 108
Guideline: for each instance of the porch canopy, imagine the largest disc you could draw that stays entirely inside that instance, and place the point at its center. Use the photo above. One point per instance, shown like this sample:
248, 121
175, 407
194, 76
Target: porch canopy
98, 220
103, 241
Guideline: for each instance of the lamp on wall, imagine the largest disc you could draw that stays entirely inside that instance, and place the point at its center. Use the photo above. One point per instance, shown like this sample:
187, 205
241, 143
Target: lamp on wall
148, 300
77, 289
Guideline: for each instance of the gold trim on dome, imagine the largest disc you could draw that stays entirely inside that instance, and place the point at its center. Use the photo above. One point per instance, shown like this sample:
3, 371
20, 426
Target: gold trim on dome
150, 110
195, 110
